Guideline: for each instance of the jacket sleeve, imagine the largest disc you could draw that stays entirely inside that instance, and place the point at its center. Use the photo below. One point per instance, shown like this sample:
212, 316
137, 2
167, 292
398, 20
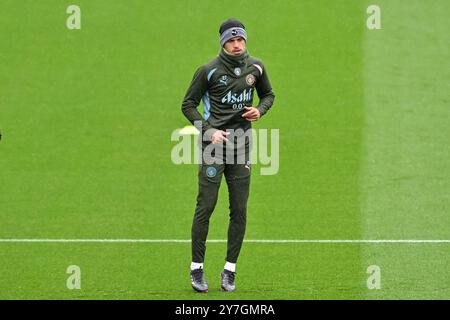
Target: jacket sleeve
195, 92
265, 93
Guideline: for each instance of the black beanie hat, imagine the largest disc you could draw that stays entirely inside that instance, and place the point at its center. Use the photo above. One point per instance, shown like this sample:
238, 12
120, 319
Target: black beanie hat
230, 29
230, 23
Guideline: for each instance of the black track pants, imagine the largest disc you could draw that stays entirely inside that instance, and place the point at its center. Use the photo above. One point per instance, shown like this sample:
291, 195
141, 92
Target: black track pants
209, 178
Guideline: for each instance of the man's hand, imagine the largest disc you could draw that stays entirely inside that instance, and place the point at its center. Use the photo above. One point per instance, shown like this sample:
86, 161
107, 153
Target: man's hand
252, 114
219, 137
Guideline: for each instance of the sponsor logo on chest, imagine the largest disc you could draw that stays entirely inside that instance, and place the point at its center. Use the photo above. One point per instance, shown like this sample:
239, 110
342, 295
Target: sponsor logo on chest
231, 97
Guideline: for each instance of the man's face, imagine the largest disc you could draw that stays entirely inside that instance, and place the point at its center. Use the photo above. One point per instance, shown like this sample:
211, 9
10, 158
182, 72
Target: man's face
235, 45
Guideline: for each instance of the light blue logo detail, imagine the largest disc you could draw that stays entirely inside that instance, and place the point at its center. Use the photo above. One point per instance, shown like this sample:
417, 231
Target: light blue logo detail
223, 80
211, 172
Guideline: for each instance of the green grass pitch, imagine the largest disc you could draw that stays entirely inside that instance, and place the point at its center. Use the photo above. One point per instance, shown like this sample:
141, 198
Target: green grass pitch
86, 117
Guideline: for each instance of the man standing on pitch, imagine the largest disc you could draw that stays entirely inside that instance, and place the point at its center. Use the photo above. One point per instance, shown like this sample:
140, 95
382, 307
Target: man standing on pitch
226, 85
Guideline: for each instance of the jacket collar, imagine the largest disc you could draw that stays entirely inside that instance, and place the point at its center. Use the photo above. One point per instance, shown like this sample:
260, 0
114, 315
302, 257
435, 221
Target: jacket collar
232, 62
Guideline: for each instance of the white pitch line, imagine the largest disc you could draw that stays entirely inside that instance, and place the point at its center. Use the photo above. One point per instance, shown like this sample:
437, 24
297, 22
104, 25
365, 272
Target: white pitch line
408, 241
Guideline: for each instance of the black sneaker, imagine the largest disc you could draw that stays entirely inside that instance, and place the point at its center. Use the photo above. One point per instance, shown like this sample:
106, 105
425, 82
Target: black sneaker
228, 280
198, 280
